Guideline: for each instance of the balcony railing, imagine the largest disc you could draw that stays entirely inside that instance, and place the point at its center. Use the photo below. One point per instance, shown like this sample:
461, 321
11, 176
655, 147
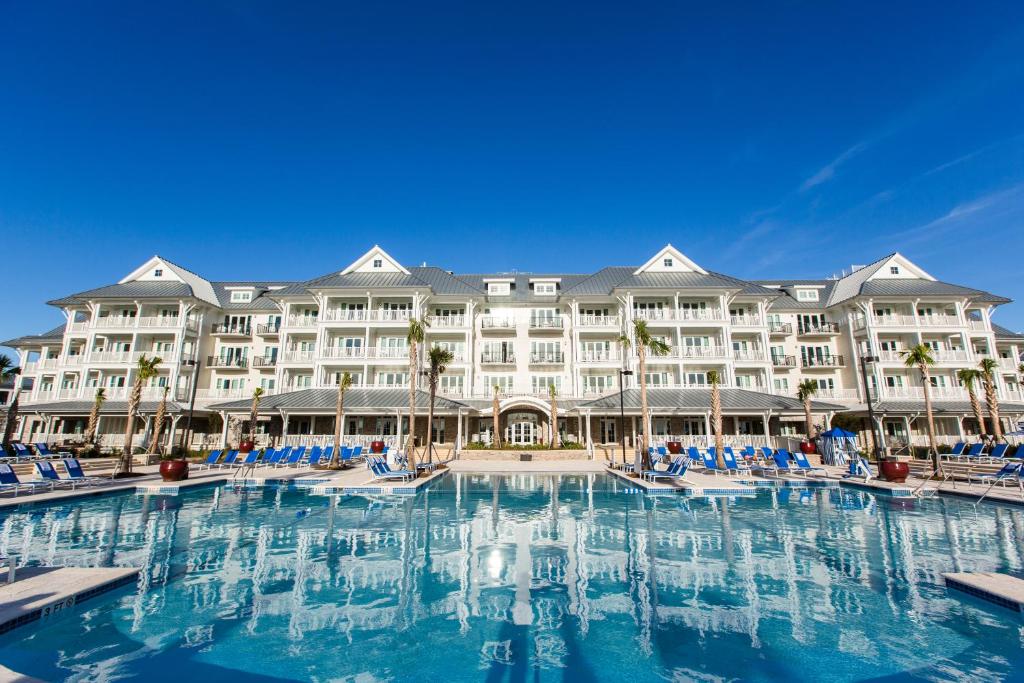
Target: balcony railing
79, 326
389, 315
231, 329
977, 325
783, 361
490, 322
893, 320
547, 357
112, 357
702, 352
446, 321
654, 314
264, 361
812, 329
160, 321
301, 321
508, 358
757, 355
822, 362
554, 323
268, 329
940, 320
745, 320
226, 362
599, 357
226, 393
115, 321
917, 393
344, 352
941, 356
702, 315
344, 315
297, 356
599, 321
780, 328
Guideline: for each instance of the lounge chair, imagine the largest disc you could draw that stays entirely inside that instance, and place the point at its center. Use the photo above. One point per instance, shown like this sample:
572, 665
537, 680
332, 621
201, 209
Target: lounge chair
1010, 470
328, 455
749, 454
998, 452
281, 457
251, 459
47, 472
44, 451
270, 458
294, 458
804, 465
210, 461
676, 470
730, 462
860, 468
229, 460
977, 450
958, 450
9, 482
662, 451
356, 452
694, 456
75, 473
711, 462
22, 451
314, 456
380, 470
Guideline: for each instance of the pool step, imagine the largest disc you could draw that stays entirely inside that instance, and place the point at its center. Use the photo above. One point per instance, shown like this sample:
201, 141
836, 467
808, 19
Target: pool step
43, 592
1001, 589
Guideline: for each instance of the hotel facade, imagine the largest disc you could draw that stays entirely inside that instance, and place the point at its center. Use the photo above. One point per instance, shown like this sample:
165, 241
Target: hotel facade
515, 335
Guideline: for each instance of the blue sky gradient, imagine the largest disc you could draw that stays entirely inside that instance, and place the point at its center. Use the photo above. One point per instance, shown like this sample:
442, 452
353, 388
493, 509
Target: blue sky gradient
281, 140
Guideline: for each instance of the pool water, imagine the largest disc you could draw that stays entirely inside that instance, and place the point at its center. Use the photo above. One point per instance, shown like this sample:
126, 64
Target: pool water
522, 578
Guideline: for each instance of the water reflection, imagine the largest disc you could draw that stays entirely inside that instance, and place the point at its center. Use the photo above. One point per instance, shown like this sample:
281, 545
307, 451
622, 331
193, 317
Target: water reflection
510, 577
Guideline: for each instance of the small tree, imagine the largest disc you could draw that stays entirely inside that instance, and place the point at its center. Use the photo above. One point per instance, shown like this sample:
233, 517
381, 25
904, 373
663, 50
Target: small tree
805, 391
158, 423
967, 377
146, 369
716, 416
495, 413
414, 336
555, 436
988, 368
94, 415
645, 343
254, 409
920, 357
344, 384
8, 372
439, 358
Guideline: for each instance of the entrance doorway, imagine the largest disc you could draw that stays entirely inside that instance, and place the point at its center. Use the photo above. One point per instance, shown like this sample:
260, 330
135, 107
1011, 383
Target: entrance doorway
523, 429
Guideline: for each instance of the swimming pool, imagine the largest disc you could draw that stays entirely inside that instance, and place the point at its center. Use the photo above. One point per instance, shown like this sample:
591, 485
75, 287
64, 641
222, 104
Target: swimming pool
521, 577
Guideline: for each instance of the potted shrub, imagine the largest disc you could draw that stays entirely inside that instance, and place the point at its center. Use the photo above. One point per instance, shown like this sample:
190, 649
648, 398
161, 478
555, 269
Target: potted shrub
174, 467
895, 468
674, 447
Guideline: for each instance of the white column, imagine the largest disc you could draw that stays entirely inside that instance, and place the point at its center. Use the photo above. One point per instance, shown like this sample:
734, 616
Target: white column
458, 434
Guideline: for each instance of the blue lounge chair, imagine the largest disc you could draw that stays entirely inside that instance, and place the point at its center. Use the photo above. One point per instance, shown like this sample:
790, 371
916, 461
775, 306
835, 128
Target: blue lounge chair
328, 454
977, 450
749, 453
210, 461
804, 466
75, 473
676, 470
998, 451
22, 451
957, 451
693, 453
356, 452
47, 472
711, 462
380, 470
662, 451
9, 482
294, 458
229, 460
730, 462
44, 451
281, 458
251, 458
1010, 470
271, 458
345, 456
778, 465
314, 456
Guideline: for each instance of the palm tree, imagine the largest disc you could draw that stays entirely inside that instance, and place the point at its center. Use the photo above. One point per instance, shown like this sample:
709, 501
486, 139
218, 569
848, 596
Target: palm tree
257, 396
344, 384
920, 357
805, 391
553, 393
94, 415
495, 416
146, 370
967, 377
645, 343
439, 358
158, 422
414, 336
8, 372
716, 416
988, 367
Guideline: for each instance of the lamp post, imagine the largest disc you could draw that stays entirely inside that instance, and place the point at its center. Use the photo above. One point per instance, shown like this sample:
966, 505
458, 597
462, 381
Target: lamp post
186, 437
623, 374
876, 437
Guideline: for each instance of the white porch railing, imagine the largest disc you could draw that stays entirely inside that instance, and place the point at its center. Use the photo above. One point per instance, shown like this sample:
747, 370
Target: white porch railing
750, 355
917, 393
446, 321
940, 320
599, 321
598, 357
300, 321
745, 320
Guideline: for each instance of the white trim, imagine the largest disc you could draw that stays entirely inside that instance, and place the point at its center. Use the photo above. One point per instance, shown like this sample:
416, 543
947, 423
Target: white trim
374, 251
679, 259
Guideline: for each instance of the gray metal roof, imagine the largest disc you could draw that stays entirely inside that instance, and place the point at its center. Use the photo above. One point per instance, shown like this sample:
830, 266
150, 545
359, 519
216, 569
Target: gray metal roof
683, 400
130, 290
940, 407
1003, 333
56, 334
921, 287
108, 407
355, 400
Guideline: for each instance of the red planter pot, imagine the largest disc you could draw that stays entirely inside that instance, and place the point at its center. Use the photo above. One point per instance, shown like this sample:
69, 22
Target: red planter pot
895, 471
674, 447
807, 447
377, 446
174, 470
246, 446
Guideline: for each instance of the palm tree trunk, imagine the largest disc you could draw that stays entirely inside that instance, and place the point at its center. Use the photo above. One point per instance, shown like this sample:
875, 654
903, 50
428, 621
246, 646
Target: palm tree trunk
716, 423
134, 399
158, 425
496, 413
808, 419
554, 423
993, 408
411, 448
94, 418
430, 420
976, 408
12, 417
645, 417
339, 416
929, 417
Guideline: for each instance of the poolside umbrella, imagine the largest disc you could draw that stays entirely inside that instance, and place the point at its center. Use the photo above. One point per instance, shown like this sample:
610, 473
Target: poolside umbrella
836, 445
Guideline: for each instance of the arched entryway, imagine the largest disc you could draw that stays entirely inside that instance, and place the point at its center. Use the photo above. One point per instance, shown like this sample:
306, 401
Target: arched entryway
524, 427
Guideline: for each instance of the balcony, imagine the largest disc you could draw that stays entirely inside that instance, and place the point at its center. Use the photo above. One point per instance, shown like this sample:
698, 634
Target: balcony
344, 315
825, 362
78, 327
608, 356
941, 356
546, 358
817, 329
445, 322
783, 361
264, 362
701, 315
942, 320
302, 322
600, 321
702, 352
268, 329
297, 356
1008, 364
654, 314
894, 320
161, 321
112, 357
745, 320
749, 355
389, 353
490, 323
542, 324
231, 330
227, 363
917, 393
777, 328
228, 393
977, 325
389, 315
115, 322
498, 358
344, 353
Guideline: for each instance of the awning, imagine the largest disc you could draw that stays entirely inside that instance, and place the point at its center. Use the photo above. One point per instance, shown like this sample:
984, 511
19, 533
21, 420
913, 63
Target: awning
698, 401
357, 400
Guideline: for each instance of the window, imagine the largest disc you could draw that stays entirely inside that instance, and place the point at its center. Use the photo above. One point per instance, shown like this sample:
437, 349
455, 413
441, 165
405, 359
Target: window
894, 270
806, 295
240, 297
544, 288
378, 263
159, 272
498, 288
667, 262
540, 383
503, 382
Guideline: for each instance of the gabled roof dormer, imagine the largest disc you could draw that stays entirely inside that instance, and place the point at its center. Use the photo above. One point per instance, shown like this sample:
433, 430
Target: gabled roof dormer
158, 269
898, 267
670, 260
376, 260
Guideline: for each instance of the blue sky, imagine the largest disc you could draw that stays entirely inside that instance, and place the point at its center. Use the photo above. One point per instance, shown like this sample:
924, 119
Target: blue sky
778, 139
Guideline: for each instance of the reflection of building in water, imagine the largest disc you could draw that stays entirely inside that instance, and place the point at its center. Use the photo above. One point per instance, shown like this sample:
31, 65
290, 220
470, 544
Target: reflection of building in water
558, 557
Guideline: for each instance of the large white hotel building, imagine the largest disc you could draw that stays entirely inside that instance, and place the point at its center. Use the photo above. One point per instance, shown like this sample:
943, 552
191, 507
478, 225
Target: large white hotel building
521, 332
